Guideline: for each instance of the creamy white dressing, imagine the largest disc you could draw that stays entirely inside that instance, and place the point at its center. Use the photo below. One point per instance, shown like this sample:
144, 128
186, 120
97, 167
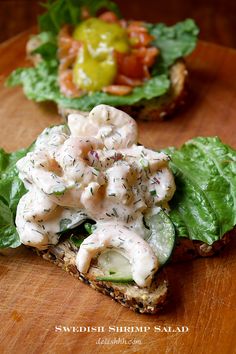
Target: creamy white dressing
95, 170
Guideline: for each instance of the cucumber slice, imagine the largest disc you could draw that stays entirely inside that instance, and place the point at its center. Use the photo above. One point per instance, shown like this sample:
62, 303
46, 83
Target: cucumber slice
162, 236
115, 279
116, 268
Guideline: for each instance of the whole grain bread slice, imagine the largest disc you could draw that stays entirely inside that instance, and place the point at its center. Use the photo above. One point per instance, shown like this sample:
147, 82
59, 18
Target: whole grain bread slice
156, 108
143, 300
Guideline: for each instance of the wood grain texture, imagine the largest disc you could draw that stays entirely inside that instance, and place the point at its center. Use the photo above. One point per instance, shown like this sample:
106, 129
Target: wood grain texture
36, 296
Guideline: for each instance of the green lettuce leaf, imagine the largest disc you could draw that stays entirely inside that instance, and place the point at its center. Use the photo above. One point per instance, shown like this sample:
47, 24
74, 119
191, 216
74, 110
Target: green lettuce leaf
48, 45
8, 234
61, 12
154, 87
174, 42
11, 190
40, 84
204, 205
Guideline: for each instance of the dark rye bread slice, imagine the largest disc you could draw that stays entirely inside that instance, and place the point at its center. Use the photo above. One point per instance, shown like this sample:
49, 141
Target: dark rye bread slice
142, 300
156, 108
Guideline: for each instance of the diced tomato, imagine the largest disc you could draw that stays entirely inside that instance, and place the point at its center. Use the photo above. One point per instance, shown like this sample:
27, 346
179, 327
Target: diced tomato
140, 52
130, 65
147, 55
150, 56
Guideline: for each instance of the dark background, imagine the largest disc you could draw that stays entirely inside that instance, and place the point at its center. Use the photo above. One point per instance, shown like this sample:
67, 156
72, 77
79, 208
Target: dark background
216, 18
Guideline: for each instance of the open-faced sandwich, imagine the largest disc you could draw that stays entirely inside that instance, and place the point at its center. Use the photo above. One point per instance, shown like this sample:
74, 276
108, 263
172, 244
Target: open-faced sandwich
84, 57
87, 197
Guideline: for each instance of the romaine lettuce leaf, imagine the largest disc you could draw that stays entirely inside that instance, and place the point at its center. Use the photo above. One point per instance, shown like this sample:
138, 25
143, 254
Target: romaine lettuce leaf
155, 87
11, 190
8, 234
48, 45
40, 84
174, 42
204, 205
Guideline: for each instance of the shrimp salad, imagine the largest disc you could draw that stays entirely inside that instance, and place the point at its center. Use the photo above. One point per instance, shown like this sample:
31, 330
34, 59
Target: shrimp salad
94, 169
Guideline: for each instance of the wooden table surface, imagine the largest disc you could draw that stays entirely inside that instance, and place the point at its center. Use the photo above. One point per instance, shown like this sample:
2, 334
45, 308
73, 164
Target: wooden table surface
36, 296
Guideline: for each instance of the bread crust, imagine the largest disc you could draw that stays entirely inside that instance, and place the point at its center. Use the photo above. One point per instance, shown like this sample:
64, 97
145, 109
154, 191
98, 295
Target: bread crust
187, 249
164, 106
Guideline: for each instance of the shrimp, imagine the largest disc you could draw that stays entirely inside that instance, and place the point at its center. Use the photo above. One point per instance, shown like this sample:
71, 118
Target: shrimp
164, 185
142, 259
31, 232
67, 45
139, 34
38, 219
67, 86
68, 49
125, 80
101, 200
73, 157
39, 168
114, 128
55, 176
118, 90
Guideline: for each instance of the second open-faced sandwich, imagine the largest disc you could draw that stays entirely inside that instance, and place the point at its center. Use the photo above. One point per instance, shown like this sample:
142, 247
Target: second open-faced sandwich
84, 57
